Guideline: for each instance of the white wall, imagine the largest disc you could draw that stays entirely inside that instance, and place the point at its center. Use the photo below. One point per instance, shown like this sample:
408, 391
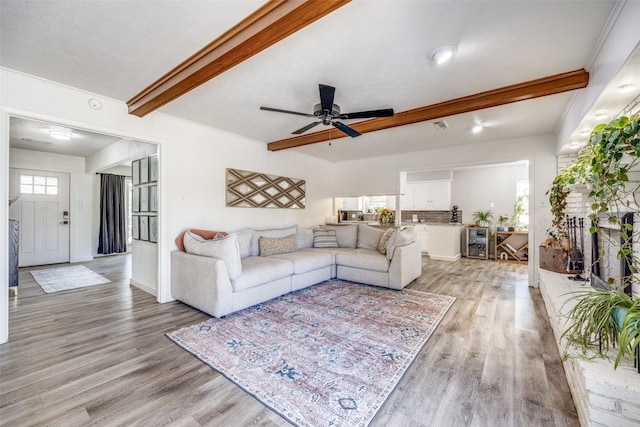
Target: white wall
192, 160
474, 189
618, 44
539, 151
80, 194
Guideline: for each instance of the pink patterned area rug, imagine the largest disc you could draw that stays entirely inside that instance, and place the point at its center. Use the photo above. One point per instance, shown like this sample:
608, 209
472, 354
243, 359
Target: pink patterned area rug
328, 355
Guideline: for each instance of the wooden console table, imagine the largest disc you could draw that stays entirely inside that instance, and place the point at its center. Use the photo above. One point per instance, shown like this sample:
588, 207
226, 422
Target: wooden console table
511, 246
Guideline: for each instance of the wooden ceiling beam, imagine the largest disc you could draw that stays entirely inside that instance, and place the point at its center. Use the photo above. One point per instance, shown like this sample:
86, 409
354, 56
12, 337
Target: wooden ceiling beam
519, 92
274, 21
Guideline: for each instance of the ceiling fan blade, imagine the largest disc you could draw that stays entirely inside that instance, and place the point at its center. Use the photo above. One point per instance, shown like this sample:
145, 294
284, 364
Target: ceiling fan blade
278, 110
387, 112
346, 129
306, 128
326, 97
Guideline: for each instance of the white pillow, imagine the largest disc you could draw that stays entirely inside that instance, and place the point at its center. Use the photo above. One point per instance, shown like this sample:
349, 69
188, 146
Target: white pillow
244, 241
369, 237
402, 237
226, 249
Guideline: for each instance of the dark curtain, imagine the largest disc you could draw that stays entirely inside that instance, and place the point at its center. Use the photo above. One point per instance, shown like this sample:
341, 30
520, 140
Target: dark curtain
113, 215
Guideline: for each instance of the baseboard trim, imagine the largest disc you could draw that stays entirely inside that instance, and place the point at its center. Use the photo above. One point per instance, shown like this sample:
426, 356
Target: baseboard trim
148, 289
445, 258
81, 259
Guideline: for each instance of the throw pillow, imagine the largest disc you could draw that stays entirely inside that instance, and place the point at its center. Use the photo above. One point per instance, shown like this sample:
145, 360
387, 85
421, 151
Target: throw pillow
402, 237
368, 237
323, 238
305, 237
244, 241
384, 240
269, 232
226, 249
206, 234
346, 234
277, 245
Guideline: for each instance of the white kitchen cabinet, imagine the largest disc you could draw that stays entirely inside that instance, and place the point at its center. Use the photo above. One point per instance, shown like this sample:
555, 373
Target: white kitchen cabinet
352, 203
407, 202
430, 196
423, 237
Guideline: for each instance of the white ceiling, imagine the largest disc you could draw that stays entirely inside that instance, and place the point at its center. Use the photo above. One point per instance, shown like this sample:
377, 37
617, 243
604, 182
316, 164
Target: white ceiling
373, 52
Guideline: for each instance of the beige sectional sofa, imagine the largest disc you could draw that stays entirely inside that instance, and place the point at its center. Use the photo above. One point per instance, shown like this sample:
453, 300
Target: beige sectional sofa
224, 275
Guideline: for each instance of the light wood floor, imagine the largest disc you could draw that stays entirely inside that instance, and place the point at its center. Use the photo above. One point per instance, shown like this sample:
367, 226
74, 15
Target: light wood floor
98, 356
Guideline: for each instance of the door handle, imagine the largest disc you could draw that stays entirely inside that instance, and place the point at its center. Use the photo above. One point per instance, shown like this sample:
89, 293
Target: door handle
64, 222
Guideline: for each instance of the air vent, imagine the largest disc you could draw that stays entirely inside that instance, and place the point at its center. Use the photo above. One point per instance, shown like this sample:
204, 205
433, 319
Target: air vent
32, 141
441, 125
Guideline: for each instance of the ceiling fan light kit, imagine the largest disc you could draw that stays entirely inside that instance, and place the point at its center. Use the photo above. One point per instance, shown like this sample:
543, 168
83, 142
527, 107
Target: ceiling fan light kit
329, 113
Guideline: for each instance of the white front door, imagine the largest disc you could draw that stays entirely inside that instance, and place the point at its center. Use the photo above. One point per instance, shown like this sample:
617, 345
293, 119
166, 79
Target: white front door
42, 211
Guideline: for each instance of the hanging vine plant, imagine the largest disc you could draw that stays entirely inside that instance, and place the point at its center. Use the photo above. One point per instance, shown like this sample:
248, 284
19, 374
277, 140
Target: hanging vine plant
605, 166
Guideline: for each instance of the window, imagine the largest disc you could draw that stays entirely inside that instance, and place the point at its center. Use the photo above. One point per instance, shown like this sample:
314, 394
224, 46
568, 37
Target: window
40, 185
522, 194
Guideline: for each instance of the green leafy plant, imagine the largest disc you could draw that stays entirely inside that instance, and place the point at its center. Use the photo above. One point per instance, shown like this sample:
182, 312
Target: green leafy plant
518, 211
604, 167
591, 322
483, 218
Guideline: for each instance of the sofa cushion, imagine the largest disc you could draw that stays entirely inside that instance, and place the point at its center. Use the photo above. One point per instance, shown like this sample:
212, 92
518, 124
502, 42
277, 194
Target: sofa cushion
402, 237
225, 249
369, 237
384, 240
206, 234
269, 232
323, 238
347, 234
277, 245
244, 241
257, 270
365, 259
305, 237
304, 261
330, 251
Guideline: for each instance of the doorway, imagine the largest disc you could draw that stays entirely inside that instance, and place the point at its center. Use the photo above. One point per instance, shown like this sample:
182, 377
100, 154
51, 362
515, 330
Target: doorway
41, 208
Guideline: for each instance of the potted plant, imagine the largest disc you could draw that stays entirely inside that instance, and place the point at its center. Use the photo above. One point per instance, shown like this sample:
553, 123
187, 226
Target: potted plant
601, 318
502, 220
483, 218
593, 327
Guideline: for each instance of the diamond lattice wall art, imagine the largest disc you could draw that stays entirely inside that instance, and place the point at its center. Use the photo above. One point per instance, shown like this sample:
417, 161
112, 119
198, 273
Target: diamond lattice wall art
247, 189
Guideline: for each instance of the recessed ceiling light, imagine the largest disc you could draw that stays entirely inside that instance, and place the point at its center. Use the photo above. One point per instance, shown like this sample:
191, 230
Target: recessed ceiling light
627, 88
442, 54
601, 115
60, 134
477, 128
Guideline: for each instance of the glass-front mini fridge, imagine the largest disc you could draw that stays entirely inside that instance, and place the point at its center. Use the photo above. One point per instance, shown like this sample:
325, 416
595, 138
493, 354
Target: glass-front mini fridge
478, 242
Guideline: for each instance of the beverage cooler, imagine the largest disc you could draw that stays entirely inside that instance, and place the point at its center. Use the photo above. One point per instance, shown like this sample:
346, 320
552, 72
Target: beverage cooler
478, 242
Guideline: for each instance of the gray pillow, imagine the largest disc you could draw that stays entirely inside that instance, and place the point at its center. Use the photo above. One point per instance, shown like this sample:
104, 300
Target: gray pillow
369, 237
323, 238
226, 249
347, 234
